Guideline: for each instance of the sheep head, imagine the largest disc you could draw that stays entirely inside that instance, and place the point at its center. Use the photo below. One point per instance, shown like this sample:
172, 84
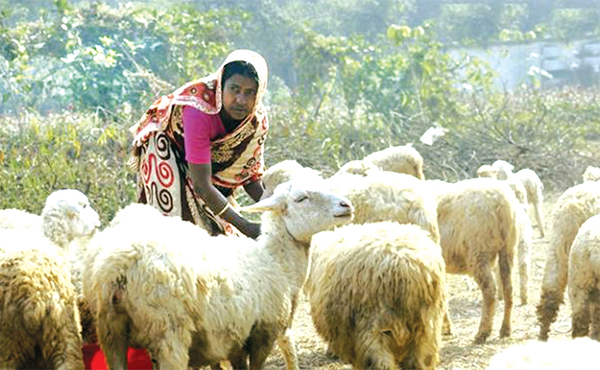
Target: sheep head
306, 208
68, 215
504, 169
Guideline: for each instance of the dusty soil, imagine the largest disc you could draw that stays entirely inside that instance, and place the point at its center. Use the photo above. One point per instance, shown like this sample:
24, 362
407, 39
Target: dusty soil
457, 351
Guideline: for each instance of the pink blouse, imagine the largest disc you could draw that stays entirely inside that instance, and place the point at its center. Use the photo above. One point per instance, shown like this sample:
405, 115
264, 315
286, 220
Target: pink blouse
199, 130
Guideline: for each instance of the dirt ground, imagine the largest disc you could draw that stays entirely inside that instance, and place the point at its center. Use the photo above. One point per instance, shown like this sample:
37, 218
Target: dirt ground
457, 351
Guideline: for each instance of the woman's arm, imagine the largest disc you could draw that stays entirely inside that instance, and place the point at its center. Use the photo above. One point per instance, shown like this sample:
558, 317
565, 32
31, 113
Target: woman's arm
203, 187
255, 189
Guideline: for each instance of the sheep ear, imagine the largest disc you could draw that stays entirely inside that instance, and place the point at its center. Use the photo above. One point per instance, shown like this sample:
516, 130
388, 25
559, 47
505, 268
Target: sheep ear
271, 203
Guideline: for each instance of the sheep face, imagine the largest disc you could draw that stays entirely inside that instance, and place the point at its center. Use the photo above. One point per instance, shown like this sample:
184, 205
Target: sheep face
72, 209
504, 169
306, 208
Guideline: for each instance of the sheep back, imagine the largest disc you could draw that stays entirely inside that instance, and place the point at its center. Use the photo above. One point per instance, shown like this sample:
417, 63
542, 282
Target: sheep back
377, 294
402, 159
389, 196
19, 219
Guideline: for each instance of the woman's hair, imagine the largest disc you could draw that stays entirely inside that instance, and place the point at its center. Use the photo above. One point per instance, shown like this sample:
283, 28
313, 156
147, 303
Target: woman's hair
240, 67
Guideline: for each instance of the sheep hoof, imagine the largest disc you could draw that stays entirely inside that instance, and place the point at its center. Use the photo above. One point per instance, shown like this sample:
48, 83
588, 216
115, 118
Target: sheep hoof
504, 332
481, 338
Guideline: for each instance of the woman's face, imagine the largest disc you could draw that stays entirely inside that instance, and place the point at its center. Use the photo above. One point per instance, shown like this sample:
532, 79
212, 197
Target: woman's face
239, 96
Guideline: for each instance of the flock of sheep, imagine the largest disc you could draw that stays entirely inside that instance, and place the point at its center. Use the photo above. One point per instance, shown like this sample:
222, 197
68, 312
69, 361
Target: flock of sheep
369, 247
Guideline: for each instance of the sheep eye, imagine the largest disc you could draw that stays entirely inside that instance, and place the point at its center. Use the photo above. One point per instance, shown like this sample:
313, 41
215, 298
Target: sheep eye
301, 199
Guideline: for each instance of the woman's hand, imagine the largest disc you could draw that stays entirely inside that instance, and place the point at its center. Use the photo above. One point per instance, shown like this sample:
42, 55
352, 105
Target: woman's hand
252, 229
203, 187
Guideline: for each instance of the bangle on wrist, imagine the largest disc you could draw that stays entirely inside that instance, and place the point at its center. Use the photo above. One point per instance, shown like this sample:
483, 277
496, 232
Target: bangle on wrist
227, 205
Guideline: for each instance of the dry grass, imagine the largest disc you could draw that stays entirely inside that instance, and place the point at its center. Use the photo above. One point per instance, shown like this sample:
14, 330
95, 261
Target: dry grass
458, 352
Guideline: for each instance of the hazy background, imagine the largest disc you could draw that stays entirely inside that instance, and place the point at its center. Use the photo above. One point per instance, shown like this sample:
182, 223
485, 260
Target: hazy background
512, 80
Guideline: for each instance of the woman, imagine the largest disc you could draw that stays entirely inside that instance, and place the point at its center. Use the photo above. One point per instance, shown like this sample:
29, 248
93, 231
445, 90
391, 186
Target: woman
194, 147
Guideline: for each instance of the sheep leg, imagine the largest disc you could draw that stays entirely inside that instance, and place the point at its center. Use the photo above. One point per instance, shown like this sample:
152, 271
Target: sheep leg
595, 313
288, 349
539, 218
505, 262
112, 334
553, 287
67, 342
260, 344
580, 318
524, 251
484, 278
447, 324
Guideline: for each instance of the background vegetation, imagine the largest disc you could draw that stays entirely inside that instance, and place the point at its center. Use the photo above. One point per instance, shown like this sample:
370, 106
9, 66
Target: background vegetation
348, 77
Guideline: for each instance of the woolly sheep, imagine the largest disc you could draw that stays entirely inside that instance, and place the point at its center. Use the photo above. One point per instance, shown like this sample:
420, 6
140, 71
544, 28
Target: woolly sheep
533, 185
39, 318
402, 159
563, 354
380, 196
572, 209
377, 295
591, 174
584, 280
66, 215
190, 298
477, 223
525, 232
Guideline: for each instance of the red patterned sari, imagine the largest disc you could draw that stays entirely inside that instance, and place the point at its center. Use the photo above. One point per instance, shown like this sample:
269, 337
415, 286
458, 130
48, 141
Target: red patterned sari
159, 154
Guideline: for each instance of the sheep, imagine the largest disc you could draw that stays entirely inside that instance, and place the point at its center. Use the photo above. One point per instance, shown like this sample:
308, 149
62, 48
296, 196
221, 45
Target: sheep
194, 299
563, 354
380, 196
584, 280
591, 174
533, 185
525, 232
402, 159
39, 316
477, 223
572, 209
377, 295
18, 219
66, 215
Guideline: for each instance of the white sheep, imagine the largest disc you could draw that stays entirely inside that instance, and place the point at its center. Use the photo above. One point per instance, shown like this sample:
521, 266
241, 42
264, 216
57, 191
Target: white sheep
591, 174
572, 209
584, 280
377, 295
558, 354
402, 159
66, 215
533, 185
477, 223
39, 318
525, 231
192, 299
380, 196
